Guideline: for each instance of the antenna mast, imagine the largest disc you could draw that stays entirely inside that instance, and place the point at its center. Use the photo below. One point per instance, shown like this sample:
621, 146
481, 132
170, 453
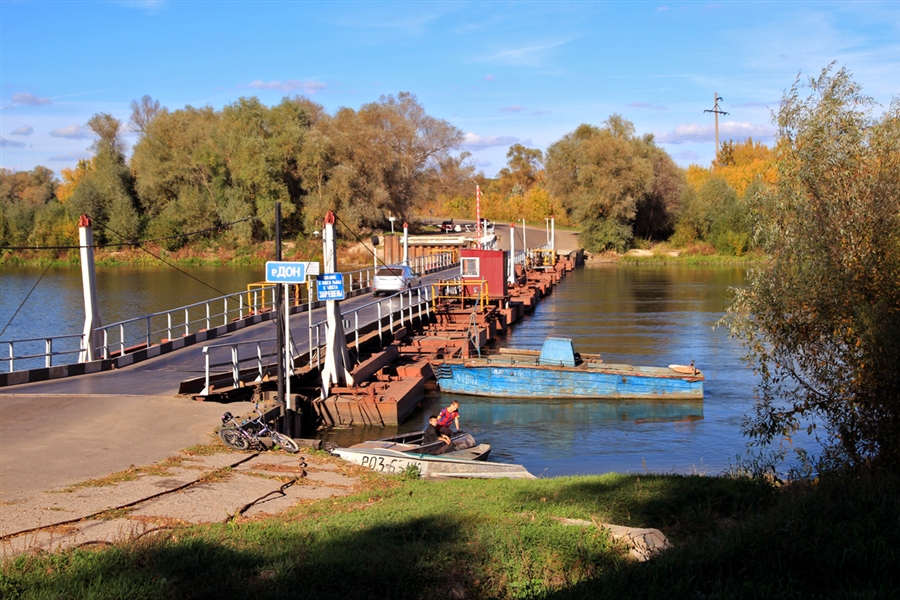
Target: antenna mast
715, 110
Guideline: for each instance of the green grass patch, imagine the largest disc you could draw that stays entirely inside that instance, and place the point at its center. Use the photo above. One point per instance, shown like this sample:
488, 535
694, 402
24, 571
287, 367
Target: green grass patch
403, 537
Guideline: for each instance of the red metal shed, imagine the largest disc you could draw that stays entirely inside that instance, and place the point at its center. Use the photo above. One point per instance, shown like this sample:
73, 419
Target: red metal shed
487, 265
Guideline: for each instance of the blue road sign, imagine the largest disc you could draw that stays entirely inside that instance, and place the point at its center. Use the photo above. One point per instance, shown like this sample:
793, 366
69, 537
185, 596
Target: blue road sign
289, 272
330, 286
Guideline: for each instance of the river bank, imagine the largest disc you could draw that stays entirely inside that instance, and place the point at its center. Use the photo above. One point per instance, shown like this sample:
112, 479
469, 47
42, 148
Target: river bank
403, 537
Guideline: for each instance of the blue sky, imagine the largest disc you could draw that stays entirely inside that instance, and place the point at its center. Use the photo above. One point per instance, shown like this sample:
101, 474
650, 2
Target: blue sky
502, 72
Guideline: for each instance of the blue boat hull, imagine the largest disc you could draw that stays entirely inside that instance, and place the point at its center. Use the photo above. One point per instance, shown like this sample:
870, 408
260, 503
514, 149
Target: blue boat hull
587, 381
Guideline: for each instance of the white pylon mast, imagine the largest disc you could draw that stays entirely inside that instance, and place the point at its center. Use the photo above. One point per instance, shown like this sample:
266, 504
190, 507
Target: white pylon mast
90, 339
334, 371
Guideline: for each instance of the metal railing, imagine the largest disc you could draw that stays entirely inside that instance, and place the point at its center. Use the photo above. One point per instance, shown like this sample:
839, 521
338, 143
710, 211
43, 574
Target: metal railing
71, 341
392, 311
141, 332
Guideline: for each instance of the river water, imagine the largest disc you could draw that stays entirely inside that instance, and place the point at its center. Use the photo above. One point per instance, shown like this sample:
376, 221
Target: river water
642, 315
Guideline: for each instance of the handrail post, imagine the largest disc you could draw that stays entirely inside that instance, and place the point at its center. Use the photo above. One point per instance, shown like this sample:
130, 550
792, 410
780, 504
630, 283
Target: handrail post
187, 323
48, 348
105, 342
225, 310
207, 316
259, 362
235, 370
356, 331
122, 340
206, 354
380, 334
12, 357
149, 341
169, 325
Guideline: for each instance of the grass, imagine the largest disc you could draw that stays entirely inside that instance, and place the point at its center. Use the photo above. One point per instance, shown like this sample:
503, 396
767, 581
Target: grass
403, 537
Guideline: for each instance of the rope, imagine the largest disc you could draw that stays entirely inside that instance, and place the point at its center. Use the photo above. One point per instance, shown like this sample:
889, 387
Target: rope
28, 295
161, 259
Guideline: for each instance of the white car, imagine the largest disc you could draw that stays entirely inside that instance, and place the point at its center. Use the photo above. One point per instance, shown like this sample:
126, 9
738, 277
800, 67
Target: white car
394, 278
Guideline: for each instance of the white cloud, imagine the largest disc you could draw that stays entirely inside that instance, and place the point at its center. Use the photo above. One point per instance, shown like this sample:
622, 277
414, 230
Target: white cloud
5, 143
645, 105
734, 130
513, 108
73, 132
529, 55
29, 99
23, 130
69, 157
474, 141
308, 87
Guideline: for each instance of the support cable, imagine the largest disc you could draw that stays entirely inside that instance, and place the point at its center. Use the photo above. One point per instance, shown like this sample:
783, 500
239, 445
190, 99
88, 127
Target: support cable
161, 259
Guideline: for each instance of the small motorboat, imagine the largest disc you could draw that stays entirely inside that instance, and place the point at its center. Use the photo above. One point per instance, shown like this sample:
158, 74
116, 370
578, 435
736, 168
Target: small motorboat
397, 453
459, 463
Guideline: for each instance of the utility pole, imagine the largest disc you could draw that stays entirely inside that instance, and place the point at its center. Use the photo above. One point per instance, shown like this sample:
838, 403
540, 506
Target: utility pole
715, 110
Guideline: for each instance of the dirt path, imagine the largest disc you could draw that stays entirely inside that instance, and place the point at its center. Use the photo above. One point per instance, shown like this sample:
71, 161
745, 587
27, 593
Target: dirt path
104, 469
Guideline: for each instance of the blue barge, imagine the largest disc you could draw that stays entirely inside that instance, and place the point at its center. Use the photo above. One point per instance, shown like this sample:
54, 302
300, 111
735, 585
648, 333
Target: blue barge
557, 371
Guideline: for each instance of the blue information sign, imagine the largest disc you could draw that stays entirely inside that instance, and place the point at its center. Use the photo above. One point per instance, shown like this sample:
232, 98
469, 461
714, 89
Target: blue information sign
330, 286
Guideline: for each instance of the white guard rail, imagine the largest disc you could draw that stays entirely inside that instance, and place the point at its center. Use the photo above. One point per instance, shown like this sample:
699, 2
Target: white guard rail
399, 308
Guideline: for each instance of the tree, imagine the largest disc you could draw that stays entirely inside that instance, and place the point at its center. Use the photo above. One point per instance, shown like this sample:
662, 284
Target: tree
379, 160
23, 195
657, 210
524, 168
821, 320
599, 176
143, 113
106, 190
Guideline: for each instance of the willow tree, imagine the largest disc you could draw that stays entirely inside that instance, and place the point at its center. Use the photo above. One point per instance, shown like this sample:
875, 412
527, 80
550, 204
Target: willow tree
604, 177
106, 191
821, 319
377, 161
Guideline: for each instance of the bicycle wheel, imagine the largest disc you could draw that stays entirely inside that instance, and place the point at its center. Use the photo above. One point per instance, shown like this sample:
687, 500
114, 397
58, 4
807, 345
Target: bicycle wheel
285, 442
233, 438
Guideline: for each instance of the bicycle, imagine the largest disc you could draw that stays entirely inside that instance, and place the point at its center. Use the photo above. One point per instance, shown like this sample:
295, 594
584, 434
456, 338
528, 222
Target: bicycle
247, 434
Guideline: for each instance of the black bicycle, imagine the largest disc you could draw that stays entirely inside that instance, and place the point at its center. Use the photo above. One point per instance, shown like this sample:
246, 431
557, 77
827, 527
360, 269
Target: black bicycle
248, 434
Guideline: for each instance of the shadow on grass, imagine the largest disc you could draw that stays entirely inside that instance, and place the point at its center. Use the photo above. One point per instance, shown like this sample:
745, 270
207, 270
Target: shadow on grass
414, 560
743, 539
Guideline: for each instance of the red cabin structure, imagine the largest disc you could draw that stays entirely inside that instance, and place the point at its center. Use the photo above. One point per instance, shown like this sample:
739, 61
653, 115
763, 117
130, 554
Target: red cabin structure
484, 265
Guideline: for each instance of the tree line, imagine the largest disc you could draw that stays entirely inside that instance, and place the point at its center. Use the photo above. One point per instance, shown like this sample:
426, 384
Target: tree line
195, 169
